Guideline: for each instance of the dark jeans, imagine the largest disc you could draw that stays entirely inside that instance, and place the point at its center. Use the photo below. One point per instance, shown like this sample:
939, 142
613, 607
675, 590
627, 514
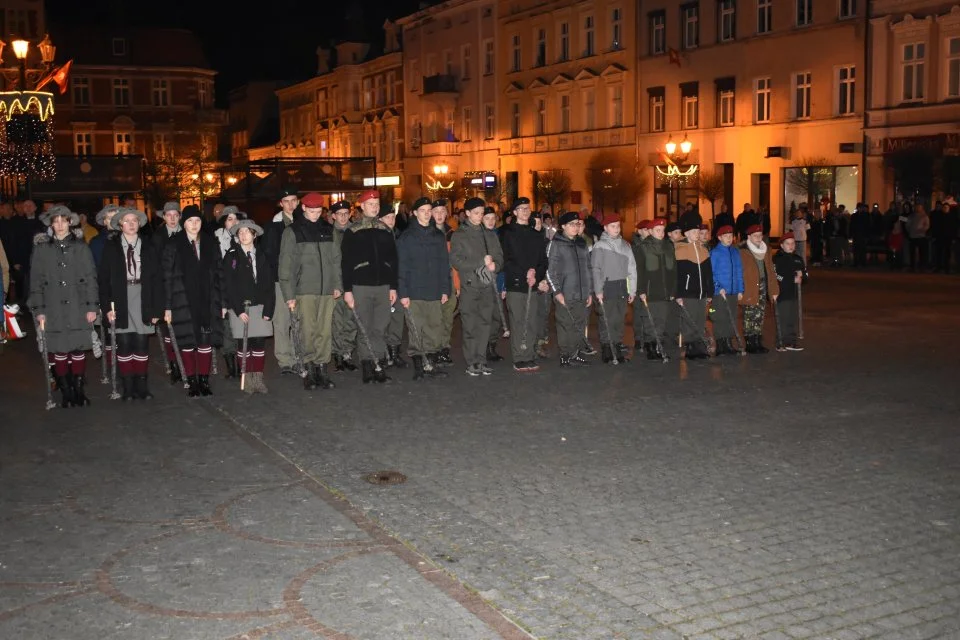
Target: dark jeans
921, 247
942, 247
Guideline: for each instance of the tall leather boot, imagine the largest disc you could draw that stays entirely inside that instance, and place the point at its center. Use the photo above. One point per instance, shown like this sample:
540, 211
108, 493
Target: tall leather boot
381, 375
321, 377
393, 354
230, 368
367, 367
309, 380
66, 391
141, 388
204, 384
193, 388
651, 350
417, 368
126, 388
80, 398
431, 368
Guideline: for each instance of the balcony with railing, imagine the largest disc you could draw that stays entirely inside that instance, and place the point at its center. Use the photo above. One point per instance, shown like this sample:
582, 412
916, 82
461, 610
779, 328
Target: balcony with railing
441, 83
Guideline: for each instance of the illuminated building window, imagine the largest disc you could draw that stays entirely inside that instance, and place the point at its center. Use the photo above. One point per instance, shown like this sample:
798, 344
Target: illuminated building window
761, 95
690, 17
658, 33
616, 28
541, 117
488, 58
161, 93
764, 16
912, 64
83, 143
541, 56
727, 21
953, 68
657, 109
801, 95
123, 143
588, 37
515, 45
565, 113
121, 92
616, 105
489, 124
589, 109
515, 120
726, 102
564, 41
847, 9
846, 90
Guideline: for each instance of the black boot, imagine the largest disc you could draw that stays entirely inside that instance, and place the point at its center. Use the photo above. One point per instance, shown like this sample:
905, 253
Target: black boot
367, 366
141, 388
347, 363
623, 353
380, 373
66, 391
309, 380
431, 368
651, 349
230, 370
443, 358
175, 375
337, 363
492, 355
417, 368
393, 354
126, 388
606, 353
320, 377
204, 383
80, 399
193, 387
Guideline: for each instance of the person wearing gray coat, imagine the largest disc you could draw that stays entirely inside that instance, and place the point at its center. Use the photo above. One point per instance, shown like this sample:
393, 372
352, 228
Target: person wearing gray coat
615, 284
571, 284
64, 300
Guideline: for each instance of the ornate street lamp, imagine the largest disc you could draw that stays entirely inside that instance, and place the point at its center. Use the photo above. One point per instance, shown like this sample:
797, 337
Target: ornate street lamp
676, 170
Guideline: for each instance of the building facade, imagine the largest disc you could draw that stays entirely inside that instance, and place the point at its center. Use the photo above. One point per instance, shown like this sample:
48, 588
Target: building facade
913, 114
450, 99
353, 108
128, 96
568, 78
254, 118
760, 90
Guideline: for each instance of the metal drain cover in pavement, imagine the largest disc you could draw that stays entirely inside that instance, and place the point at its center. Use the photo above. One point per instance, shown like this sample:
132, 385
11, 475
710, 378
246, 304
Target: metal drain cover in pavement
385, 477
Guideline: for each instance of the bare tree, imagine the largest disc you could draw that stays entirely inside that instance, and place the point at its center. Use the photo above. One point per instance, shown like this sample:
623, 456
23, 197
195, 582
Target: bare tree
615, 180
185, 171
552, 186
814, 176
711, 187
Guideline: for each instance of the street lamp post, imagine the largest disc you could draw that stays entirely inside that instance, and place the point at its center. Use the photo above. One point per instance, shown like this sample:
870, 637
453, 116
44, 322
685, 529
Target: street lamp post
677, 168
20, 50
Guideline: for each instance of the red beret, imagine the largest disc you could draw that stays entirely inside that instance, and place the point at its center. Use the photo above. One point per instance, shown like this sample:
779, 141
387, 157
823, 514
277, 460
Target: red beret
312, 200
724, 229
754, 228
369, 194
658, 222
787, 236
610, 218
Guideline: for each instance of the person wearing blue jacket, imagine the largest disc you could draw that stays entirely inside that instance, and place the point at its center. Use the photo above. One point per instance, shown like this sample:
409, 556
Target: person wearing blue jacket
727, 291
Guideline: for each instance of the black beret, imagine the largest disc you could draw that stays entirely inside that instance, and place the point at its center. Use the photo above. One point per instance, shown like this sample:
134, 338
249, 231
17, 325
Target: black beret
420, 202
439, 202
287, 191
343, 204
690, 220
473, 203
519, 201
568, 217
673, 226
488, 210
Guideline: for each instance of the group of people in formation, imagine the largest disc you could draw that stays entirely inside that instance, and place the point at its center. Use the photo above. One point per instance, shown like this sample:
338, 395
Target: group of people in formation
340, 285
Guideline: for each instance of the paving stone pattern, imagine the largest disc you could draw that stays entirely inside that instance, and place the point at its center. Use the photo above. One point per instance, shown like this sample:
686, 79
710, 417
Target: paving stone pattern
791, 495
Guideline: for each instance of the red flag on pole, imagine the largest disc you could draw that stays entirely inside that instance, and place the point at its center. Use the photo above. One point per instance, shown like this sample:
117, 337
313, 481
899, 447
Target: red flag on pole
58, 75
674, 56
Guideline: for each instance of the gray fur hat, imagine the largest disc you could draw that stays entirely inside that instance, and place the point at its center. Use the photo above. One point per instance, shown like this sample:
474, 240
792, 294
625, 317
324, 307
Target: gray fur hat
59, 210
246, 224
107, 210
124, 212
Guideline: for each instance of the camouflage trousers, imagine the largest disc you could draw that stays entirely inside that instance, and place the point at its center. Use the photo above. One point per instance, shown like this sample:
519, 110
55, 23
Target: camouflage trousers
754, 314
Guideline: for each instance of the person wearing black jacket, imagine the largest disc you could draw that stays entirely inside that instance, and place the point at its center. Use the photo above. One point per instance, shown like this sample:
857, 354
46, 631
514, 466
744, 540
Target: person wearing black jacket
369, 265
694, 286
282, 344
525, 269
250, 299
423, 286
944, 235
164, 235
131, 294
791, 272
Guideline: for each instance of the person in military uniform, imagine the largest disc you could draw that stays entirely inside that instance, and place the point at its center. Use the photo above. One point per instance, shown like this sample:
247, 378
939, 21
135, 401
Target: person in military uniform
727, 290
694, 286
310, 283
641, 232
614, 272
440, 215
674, 235
477, 256
282, 337
394, 334
498, 327
759, 283
423, 286
249, 297
192, 298
64, 300
791, 274
656, 287
525, 264
164, 236
543, 299
369, 265
344, 327
571, 281
130, 280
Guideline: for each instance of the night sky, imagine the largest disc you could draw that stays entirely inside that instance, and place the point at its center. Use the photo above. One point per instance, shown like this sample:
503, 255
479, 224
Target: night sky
278, 43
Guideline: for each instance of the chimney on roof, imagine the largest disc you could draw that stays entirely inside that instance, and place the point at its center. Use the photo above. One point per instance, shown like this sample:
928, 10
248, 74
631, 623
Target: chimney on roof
323, 60
391, 42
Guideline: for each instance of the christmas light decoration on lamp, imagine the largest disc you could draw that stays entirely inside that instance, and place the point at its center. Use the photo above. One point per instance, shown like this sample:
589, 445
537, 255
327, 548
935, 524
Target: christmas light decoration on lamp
26, 137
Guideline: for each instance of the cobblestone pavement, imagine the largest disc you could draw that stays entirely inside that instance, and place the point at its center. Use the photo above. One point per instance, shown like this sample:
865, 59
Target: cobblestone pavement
790, 495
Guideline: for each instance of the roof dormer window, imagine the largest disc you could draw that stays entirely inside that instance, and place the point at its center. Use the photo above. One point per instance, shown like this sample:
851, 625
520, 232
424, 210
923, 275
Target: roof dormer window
119, 46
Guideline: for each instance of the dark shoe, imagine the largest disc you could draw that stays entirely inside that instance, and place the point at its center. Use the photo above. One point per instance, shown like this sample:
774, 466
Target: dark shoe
230, 368
474, 371
347, 363
579, 361
492, 355
651, 350
606, 354
380, 373
289, 371
309, 380
443, 357
432, 369
141, 388
394, 355
337, 363
66, 392
417, 368
80, 398
193, 389
367, 366
527, 366
175, 375
127, 390
587, 349
321, 377
204, 385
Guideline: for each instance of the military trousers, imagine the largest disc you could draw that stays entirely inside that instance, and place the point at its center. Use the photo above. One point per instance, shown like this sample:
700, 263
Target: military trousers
544, 304
571, 319
372, 305
425, 328
449, 311
723, 314
693, 319
316, 320
282, 341
477, 320
523, 325
344, 329
613, 314
394, 333
497, 325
